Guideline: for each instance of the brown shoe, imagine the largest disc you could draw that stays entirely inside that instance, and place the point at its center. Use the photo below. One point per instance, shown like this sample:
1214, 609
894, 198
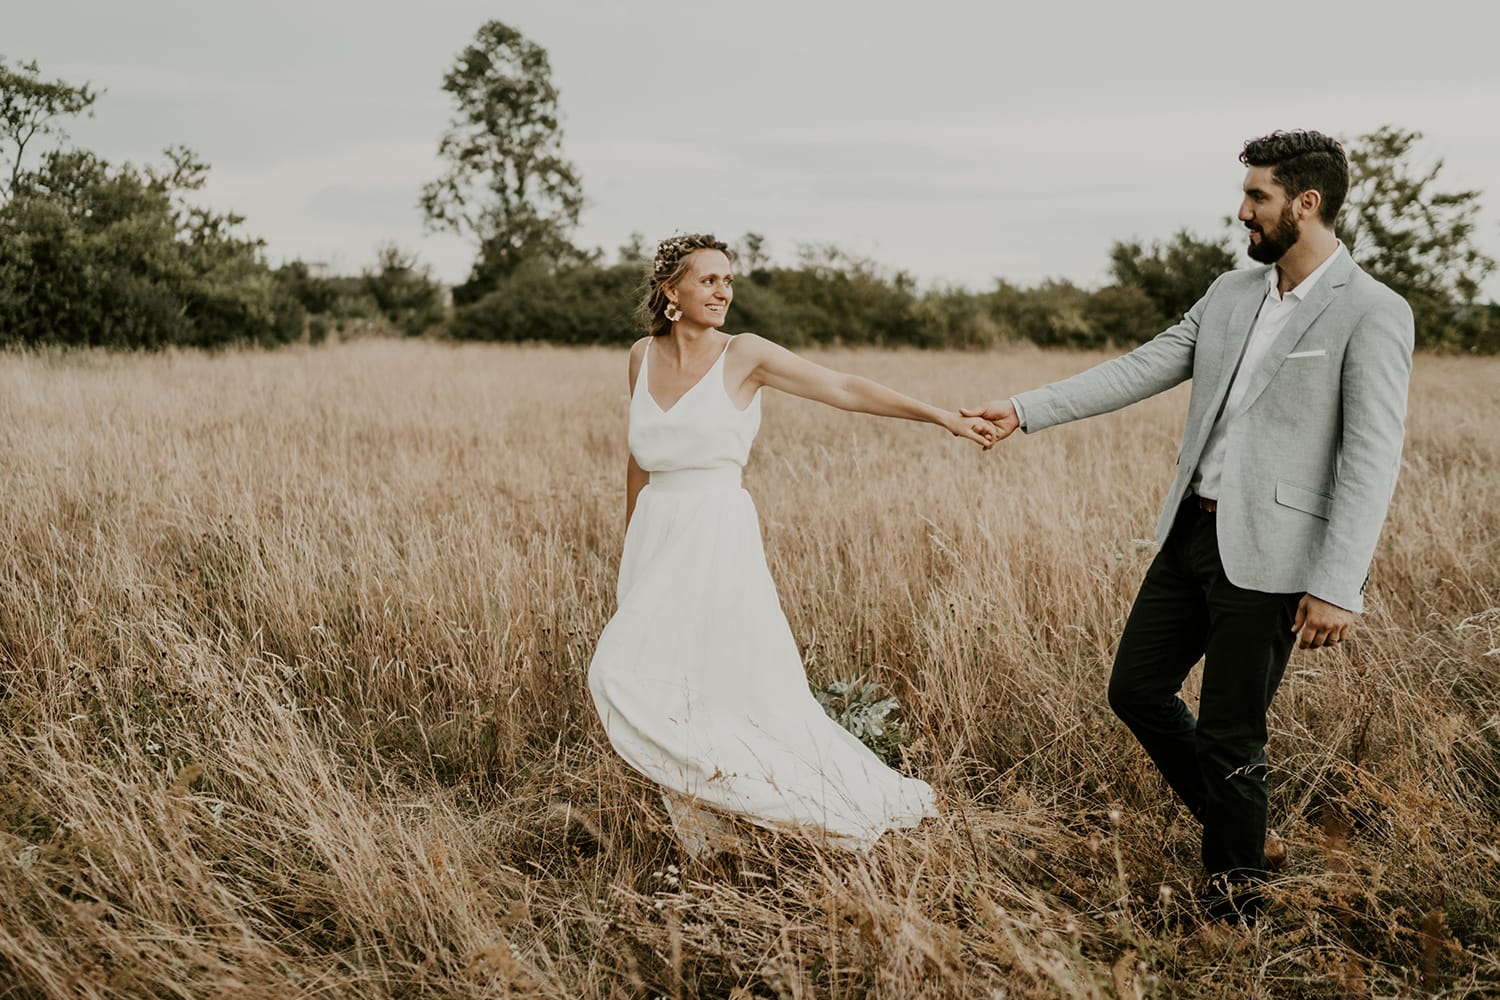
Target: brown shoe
1275, 852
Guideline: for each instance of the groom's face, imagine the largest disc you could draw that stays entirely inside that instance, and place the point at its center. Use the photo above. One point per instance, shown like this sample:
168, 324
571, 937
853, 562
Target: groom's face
1269, 215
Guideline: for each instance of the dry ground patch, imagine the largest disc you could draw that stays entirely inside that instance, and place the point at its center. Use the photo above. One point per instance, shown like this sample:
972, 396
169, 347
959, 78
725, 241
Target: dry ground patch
292, 702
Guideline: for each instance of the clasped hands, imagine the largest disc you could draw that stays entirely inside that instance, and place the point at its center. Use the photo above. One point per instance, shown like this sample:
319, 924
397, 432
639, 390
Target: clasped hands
986, 425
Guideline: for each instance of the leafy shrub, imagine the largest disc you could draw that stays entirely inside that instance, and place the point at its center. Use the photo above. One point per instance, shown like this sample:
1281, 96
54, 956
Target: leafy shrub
867, 715
96, 255
1053, 314
954, 317
403, 291
574, 305
1171, 275
763, 309
1124, 314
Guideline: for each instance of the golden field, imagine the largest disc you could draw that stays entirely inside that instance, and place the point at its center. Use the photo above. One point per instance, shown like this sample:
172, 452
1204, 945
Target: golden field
292, 700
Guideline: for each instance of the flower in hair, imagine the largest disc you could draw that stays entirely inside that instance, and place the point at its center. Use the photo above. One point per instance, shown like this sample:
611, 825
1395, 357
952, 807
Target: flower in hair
669, 251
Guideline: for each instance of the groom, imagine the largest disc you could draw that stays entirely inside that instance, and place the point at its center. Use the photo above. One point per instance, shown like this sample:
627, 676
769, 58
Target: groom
1289, 457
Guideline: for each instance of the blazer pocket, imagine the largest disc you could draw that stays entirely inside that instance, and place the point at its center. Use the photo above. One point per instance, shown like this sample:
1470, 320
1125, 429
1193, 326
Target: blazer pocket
1308, 501
1306, 354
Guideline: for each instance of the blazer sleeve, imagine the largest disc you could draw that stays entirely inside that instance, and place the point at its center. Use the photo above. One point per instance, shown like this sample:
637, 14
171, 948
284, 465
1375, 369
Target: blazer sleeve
1373, 384
1157, 365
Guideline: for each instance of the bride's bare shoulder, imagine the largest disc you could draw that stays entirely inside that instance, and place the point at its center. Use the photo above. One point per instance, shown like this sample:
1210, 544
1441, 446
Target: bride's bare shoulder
751, 343
637, 353
756, 350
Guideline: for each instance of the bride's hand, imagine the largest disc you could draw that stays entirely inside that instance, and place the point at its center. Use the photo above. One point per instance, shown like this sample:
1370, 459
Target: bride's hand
976, 429
1001, 413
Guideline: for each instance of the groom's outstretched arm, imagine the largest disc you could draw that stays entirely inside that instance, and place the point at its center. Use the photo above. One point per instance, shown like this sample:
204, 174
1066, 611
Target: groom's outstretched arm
1157, 365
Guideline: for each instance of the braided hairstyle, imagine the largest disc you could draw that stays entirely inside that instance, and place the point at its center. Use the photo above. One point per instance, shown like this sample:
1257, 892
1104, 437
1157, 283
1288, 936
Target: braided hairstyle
668, 267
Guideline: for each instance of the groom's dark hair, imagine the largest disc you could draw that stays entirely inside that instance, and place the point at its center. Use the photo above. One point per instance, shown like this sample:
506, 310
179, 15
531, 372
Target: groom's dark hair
1304, 161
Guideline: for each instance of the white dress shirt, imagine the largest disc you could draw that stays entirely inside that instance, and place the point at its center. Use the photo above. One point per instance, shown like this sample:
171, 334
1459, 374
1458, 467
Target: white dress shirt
1275, 310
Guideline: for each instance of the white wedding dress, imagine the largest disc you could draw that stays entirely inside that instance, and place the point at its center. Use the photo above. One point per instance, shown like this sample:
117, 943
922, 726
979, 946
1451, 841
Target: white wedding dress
697, 679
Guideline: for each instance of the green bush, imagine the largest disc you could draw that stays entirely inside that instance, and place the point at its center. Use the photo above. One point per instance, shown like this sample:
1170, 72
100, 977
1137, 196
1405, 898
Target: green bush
868, 714
1172, 275
1124, 315
761, 308
955, 318
1054, 314
403, 291
100, 256
574, 305
317, 296
839, 299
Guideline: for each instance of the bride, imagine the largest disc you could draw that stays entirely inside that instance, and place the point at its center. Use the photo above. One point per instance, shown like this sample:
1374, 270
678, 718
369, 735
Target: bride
696, 678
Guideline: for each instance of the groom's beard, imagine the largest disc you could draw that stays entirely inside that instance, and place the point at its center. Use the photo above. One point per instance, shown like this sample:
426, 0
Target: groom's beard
1273, 245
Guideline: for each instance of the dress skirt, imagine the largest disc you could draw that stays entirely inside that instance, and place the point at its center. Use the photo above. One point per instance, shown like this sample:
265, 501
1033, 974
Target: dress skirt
700, 685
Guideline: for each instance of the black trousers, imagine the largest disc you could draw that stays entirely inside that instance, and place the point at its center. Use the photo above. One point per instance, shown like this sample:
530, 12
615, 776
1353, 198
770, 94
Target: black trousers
1187, 609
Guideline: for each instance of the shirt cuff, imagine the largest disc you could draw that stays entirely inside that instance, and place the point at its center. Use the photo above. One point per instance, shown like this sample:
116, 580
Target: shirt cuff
1020, 413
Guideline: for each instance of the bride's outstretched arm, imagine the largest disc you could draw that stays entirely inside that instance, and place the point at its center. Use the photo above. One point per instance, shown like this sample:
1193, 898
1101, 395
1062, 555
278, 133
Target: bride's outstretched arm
775, 367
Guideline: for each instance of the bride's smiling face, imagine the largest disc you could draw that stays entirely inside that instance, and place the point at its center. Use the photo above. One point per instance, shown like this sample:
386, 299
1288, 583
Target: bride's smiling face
705, 291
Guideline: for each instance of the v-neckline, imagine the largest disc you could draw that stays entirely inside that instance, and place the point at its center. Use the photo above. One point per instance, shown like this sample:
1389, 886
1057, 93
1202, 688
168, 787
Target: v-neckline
646, 376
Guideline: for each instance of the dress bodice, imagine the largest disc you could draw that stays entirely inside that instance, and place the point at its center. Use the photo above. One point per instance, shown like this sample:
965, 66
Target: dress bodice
702, 430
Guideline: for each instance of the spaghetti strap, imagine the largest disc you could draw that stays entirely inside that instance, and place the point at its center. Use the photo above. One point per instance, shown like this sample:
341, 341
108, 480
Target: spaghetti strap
729, 396
640, 375
720, 359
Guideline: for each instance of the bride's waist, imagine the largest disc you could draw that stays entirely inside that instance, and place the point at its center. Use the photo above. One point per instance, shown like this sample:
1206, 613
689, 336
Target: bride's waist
724, 477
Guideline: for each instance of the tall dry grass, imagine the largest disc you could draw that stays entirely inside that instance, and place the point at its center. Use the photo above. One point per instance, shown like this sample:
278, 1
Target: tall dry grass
292, 702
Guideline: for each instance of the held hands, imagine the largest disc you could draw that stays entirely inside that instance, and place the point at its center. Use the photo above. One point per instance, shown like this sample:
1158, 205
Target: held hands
985, 425
1001, 415
1319, 624
976, 429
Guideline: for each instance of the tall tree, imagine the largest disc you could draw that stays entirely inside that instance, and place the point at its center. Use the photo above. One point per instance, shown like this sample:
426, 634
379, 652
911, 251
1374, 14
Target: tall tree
1416, 239
507, 184
31, 106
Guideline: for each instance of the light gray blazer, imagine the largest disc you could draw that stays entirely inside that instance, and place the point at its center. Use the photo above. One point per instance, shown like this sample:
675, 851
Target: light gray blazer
1311, 462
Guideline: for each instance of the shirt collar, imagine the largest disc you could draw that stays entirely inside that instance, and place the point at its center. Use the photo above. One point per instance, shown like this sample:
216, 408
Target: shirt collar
1307, 284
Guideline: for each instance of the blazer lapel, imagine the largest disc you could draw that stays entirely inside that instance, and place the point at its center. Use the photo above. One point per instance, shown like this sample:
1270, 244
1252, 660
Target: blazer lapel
1241, 321
1230, 345
1322, 294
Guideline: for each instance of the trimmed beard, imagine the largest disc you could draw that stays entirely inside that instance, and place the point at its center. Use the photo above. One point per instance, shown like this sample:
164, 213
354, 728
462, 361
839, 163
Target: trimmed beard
1273, 245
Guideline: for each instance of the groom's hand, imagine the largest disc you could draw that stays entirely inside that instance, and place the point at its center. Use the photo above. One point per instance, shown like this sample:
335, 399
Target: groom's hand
976, 429
1320, 624
1000, 412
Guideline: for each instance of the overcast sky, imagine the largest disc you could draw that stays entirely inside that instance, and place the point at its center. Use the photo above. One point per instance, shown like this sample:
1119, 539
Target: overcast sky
961, 141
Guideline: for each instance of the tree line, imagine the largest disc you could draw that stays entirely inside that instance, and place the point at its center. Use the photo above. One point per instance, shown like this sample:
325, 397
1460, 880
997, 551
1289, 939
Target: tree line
94, 253
117, 255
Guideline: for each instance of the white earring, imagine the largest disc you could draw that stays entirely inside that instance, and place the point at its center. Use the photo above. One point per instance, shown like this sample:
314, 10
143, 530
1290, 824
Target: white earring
672, 313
